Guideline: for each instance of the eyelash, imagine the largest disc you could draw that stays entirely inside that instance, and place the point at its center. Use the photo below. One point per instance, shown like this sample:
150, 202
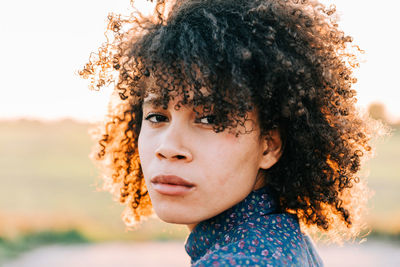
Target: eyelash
155, 115
148, 117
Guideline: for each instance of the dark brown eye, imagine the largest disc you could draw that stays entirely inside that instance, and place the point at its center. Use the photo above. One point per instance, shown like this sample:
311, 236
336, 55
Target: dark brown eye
156, 118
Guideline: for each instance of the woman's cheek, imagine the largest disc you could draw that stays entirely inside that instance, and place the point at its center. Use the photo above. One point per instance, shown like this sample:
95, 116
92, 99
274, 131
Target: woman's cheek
145, 148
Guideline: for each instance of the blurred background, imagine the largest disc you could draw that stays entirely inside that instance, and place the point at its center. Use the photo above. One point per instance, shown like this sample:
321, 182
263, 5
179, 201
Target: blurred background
52, 211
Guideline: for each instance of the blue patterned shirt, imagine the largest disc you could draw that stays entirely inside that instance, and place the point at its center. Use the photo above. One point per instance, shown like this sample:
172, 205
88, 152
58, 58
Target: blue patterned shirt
251, 233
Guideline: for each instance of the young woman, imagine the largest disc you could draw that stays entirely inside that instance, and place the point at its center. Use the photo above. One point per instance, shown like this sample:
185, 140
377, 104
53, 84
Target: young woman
237, 119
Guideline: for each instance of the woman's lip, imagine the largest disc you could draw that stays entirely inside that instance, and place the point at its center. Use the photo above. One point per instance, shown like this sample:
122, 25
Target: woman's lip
171, 189
171, 179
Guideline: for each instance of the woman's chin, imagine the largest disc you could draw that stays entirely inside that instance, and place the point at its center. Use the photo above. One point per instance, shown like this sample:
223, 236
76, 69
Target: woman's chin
170, 218
175, 217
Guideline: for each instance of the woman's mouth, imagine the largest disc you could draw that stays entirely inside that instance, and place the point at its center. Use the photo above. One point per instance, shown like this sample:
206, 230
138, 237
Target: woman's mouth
171, 185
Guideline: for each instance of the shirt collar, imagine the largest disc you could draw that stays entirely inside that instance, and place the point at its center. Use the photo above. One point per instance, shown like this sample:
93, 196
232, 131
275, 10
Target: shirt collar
207, 233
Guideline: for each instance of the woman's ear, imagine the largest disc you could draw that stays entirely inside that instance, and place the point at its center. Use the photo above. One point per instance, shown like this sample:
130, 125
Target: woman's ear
272, 149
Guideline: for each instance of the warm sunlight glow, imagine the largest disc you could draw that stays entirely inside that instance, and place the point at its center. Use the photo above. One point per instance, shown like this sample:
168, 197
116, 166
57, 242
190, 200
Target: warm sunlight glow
144, 6
48, 41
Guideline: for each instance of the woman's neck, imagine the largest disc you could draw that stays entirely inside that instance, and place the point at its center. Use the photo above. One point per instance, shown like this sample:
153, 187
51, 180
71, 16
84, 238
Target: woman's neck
191, 226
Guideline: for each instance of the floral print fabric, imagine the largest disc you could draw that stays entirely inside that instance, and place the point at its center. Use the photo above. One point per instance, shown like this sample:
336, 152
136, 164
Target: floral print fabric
251, 233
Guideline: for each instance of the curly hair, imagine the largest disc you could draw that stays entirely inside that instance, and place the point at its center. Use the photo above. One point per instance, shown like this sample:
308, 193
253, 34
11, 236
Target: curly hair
286, 58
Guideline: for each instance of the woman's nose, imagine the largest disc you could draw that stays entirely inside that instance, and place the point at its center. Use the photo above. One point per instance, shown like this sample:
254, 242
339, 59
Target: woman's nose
172, 145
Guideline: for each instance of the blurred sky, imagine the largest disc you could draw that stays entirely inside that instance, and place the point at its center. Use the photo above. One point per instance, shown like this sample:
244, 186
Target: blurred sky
44, 42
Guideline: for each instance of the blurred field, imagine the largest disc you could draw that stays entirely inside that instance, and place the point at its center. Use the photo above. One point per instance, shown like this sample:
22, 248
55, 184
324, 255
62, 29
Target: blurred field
384, 179
49, 188
172, 254
48, 184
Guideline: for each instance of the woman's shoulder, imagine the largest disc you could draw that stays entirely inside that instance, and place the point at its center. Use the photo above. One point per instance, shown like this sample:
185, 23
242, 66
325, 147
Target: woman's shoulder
269, 240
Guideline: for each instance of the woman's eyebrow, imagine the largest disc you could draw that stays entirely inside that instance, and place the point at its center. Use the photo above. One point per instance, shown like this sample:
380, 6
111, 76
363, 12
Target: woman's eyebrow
153, 101
157, 101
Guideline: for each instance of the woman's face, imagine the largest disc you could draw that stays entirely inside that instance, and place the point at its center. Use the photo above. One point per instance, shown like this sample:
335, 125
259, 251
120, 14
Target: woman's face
221, 169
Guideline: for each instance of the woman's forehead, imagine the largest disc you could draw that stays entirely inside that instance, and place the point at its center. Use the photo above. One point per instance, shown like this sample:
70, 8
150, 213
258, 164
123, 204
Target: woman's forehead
174, 82
157, 100
166, 88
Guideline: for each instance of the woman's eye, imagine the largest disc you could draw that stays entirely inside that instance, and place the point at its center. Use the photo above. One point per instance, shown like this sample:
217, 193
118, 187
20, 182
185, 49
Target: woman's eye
210, 119
156, 118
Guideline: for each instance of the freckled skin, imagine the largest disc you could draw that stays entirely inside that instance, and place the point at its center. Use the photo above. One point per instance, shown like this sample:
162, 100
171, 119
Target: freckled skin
224, 168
